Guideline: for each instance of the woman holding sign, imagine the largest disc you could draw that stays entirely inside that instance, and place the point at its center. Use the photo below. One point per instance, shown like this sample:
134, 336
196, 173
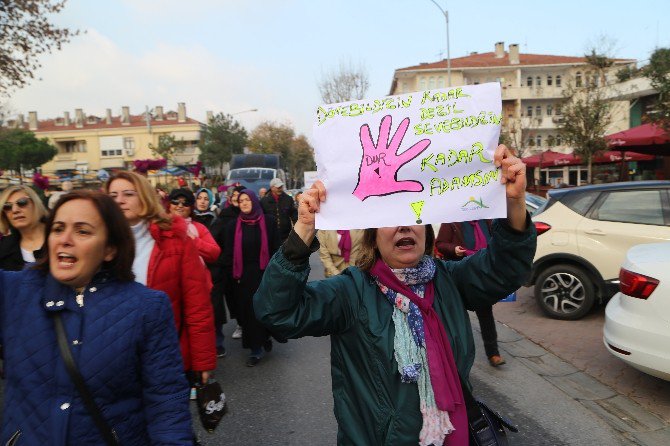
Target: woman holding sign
402, 346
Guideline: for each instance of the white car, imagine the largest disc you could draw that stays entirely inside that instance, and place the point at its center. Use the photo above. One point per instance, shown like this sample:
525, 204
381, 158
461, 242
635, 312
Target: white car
637, 319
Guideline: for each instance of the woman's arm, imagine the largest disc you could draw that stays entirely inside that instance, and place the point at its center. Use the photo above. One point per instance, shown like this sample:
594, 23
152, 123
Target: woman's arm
164, 387
446, 242
207, 247
198, 315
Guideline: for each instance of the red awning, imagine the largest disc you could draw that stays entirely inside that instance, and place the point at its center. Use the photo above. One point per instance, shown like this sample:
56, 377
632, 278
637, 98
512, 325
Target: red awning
550, 158
645, 138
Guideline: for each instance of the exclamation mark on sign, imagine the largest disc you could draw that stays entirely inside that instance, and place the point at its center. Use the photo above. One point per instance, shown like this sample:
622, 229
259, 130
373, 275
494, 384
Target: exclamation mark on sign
417, 207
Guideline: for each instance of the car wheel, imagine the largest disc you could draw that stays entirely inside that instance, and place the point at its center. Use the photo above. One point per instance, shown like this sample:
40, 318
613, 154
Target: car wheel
565, 292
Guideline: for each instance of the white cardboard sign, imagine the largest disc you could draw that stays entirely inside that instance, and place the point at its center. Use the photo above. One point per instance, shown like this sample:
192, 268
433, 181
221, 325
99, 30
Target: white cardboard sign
419, 158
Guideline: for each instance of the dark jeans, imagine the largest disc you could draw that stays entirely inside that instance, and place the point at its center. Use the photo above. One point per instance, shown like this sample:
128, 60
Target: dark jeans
489, 333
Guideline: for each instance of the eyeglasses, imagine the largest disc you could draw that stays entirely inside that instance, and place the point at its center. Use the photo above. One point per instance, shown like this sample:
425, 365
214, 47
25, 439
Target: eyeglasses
124, 194
179, 203
21, 202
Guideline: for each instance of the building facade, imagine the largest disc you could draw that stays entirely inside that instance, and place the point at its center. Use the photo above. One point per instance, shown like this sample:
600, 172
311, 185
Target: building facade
88, 143
533, 86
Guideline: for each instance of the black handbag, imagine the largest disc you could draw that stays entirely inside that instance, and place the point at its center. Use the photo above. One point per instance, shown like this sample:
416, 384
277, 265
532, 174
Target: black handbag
108, 434
487, 427
211, 403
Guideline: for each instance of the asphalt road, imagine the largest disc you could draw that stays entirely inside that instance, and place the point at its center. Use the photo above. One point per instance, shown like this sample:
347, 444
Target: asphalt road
287, 399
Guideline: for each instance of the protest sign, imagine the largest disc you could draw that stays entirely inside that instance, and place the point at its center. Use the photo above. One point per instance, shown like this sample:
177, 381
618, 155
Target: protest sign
418, 158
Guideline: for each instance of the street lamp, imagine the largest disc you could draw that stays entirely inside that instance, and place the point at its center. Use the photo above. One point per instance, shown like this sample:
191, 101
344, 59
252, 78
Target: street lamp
245, 111
446, 18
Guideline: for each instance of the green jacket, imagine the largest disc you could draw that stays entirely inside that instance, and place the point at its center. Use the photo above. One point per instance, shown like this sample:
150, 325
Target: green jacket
372, 405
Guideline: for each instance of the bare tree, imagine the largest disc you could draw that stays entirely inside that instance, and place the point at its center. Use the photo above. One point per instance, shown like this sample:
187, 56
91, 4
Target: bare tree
343, 84
26, 32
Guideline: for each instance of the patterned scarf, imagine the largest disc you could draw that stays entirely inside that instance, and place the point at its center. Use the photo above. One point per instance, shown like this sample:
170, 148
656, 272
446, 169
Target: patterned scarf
423, 352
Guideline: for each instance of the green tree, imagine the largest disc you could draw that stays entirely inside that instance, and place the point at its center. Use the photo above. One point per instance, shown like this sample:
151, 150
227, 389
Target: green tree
658, 72
301, 158
222, 137
168, 146
271, 137
26, 32
586, 114
21, 150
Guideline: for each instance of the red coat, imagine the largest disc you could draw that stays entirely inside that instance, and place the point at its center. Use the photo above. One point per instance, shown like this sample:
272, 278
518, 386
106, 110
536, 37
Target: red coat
175, 268
207, 247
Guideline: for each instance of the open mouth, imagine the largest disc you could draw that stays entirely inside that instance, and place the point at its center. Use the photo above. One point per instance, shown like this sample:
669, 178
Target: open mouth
405, 243
66, 260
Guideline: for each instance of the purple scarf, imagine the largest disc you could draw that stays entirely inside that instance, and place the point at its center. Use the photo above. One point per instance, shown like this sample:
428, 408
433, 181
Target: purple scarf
252, 218
345, 244
442, 367
480, 238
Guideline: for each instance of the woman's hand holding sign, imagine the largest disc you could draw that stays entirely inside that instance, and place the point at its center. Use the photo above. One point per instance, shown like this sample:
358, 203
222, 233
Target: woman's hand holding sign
310, 203
514, 178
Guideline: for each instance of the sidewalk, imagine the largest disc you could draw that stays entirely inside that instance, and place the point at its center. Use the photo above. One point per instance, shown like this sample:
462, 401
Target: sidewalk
577, 363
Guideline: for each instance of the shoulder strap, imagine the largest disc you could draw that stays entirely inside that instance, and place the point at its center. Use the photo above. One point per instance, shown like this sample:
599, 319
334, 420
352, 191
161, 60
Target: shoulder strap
107, 433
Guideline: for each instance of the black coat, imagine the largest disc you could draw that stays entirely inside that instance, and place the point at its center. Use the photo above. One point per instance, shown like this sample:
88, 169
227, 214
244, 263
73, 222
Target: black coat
284, 212
243, 289
11, 258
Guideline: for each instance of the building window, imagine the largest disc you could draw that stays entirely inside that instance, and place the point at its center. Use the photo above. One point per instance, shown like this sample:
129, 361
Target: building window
550, 80
550, 109
538, 140
558, 110
530, 110
538, 81
431, 83
529, 81
578, 79
129, 143
550, 140
538, 111
422, 83
558, 80
440, 82
113, 152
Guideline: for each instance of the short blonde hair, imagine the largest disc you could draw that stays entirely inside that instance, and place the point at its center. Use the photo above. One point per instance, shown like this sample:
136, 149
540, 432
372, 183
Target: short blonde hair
151, 209
40, 211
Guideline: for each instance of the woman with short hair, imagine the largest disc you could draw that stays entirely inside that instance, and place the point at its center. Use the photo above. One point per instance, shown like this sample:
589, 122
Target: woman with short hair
401, 341
22, 220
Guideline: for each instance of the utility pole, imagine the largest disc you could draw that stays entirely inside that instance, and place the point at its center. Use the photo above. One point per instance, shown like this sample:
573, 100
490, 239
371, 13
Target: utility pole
446, 18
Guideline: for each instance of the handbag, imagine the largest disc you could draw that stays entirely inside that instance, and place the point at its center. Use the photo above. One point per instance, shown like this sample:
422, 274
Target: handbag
487, 427
211, 403
108, 434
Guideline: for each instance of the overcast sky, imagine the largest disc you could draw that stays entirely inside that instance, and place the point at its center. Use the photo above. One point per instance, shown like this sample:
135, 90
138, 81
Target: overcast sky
235, 55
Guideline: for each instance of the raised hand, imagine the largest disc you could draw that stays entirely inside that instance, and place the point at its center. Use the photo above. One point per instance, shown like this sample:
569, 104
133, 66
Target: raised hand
380, 162
514, 178
309, 205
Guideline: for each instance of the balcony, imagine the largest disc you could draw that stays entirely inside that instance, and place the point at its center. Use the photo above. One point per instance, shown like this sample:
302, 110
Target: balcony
543, 92
543, 122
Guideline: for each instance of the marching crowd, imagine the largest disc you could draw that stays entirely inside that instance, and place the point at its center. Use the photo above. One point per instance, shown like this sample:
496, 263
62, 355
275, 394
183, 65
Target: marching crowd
141, 281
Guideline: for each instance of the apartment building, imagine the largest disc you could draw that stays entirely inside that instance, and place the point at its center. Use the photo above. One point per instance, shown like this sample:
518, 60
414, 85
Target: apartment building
88, 143
532, 87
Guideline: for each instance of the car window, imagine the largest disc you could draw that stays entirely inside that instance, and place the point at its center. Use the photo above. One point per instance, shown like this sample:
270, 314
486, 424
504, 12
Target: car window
633, 206
580, 202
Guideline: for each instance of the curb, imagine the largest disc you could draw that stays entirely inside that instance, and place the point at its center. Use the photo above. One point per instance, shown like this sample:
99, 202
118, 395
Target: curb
634, 422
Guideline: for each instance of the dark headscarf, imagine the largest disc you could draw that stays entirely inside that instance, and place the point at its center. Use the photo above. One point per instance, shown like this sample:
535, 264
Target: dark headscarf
255, 217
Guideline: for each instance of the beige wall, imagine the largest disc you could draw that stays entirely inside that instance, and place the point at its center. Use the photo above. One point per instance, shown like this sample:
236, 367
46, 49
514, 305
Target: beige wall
92, 158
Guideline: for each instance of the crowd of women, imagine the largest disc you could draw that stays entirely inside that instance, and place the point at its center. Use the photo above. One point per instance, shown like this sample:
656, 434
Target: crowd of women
126, 287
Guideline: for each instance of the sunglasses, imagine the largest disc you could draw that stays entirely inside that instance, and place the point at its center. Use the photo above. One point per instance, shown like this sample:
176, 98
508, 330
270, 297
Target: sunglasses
21, 202
179, 203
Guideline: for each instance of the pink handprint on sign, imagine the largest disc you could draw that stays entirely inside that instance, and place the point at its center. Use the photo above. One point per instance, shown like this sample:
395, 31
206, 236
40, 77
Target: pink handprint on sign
380, 163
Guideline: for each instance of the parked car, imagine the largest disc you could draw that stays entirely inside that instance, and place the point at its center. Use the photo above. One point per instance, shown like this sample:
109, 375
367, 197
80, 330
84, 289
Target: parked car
583, 235
534, 202
637, 319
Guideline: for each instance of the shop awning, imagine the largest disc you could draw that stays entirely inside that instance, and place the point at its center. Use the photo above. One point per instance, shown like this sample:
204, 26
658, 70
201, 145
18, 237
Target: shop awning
645, 138
552, 159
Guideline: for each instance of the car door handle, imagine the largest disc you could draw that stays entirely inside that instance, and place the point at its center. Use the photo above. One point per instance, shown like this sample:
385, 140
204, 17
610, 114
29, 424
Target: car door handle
595, 232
